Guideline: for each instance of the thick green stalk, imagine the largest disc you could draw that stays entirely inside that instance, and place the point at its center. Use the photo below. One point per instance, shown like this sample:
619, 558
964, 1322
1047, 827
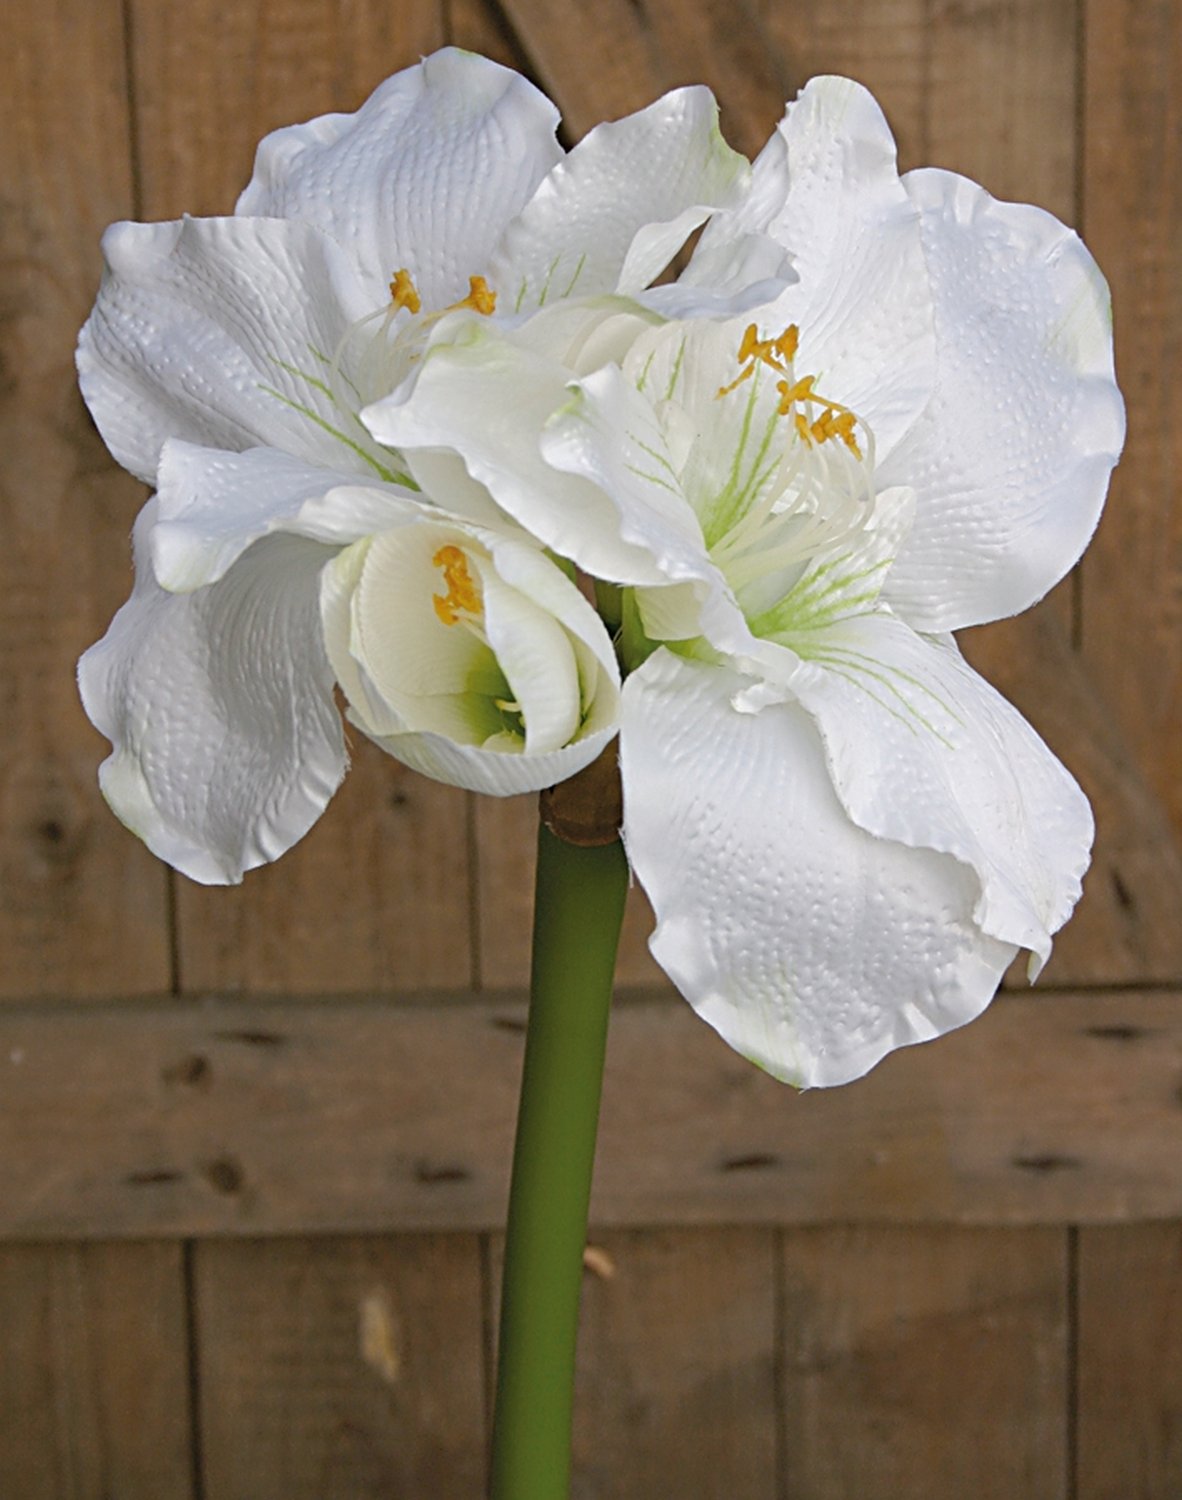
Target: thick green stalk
579, 907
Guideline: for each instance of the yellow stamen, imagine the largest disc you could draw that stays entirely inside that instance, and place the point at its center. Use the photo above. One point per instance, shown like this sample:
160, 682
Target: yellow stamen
481, 298
775, 353
462, 597
403, 292
800, 390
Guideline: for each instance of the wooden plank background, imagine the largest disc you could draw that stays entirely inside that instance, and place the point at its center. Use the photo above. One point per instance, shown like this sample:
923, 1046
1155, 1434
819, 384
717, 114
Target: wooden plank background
253, 1143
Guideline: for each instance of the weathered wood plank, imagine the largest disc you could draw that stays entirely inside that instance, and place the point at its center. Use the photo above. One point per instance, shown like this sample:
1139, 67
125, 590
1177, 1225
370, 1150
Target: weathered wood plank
654, 47
926, 1363
378, 894
1125, 929
84, 907
675, 1378
881, 43
1130, 1362
1132, 183
1000, 97
279, 1118
341, 1369
506, 843
94, 1400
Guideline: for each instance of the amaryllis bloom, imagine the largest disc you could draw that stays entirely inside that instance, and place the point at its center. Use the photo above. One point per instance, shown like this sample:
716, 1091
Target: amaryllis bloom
286, 549
845, 833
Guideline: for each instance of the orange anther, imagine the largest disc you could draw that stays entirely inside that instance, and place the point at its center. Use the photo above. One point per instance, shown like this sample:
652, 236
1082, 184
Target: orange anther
403, 292
463, 596
481, 298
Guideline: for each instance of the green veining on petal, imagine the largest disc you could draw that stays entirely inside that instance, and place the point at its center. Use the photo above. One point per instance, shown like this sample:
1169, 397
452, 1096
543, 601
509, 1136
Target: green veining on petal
656, 455
648, 364
570, 286
736, 496
856, 666
545, 292
804, 607
653, 479
306, 411
675, 373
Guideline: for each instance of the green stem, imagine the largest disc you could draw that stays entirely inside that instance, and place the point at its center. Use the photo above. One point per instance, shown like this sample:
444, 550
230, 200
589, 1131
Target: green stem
579, 907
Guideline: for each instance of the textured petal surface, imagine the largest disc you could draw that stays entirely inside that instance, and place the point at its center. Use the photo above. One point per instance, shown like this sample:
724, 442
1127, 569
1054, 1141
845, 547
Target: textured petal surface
496, 773
431, 693
489, 401
861, 301
924, 752
1010, 461
735, 250
424, 176
811, 946
216, 331
227, 743
615, 212
213, 505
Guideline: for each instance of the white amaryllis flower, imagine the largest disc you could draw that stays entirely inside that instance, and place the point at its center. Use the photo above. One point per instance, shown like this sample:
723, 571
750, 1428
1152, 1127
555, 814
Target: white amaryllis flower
226, 363
845, 833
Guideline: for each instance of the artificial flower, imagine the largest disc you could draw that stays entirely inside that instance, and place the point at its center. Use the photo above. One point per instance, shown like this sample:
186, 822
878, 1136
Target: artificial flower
286, 549
845, 833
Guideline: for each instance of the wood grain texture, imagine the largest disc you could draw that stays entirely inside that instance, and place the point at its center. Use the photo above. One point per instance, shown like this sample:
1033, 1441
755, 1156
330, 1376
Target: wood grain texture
1125, 929
1132, 183
506, 844
675, 1380
377, 896
1130, 1362
1000, 97
881, 43
84, 905
94, 1401
925, 1364
675, 1383
300, 1118
653, 47
341, 1369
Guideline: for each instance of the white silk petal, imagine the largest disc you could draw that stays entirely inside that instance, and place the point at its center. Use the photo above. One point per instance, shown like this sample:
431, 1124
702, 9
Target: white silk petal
425, 175
924, 752
488, 400
812, 947
498, 773
735, 249
861, 301
213, 505
615, 212
216, 332
1011, 459
227, 743
538, 659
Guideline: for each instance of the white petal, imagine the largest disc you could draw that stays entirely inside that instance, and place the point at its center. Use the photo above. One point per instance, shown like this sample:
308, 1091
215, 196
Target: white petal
737, 263
227, 743
1010, 461
861, 302
424, 176
425, 691
497, 773
538, 658
489, 400
924, 752
218, 332
615, 212
213, 505
811, 946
